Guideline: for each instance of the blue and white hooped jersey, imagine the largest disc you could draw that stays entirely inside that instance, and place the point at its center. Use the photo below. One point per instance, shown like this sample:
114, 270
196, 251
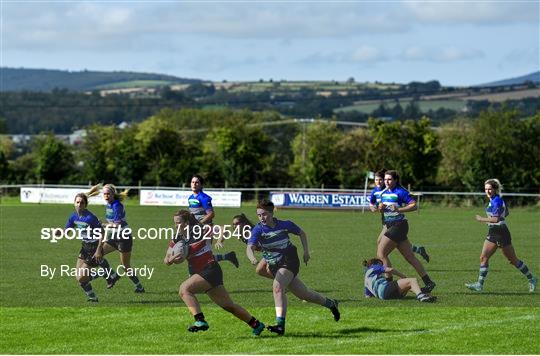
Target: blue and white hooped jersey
199, 205
375, 197
374, 281
273, 240
83, 222
116, 214
397, 197
497, 208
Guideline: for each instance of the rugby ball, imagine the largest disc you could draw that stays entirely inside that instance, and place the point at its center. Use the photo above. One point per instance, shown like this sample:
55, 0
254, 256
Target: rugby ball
180, 251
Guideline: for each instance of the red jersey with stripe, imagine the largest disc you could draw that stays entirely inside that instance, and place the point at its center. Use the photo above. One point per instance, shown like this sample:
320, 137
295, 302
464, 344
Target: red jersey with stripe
200, 255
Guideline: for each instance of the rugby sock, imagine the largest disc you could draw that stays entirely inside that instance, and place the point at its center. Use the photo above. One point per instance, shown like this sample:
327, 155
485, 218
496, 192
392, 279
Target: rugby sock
426, 279
106, 266
199, 317
87, 287
280, 321
219, 257
136, 281
524, 269
483, 274
253, 322
329, 303
415, 249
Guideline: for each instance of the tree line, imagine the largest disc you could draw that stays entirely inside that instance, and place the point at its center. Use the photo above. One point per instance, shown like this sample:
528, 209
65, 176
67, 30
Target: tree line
241, 148
62, 111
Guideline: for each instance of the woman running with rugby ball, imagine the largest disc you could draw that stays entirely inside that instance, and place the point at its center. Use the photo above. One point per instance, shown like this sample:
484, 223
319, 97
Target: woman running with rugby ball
206, 275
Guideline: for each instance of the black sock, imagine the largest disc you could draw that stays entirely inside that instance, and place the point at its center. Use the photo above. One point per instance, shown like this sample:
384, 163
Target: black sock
107, 267
86, 286
329, 303
199, 317
219, 257
253, 322
426, 279
135, 280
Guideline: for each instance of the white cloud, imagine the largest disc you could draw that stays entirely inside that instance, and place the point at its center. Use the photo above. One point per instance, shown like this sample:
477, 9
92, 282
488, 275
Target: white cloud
367, 54
473, 12
440, 54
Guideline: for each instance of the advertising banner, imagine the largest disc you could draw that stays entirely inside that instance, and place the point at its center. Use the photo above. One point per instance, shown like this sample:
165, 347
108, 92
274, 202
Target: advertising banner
180, 198
319, 200
55, 195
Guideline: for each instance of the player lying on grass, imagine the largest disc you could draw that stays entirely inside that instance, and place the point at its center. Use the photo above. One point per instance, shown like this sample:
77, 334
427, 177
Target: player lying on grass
206, 275
376, 285
272, 236
88, 225
243, 226
498, 236
375, 200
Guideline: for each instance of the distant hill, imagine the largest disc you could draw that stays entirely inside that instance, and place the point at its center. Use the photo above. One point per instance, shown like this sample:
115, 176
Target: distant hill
19, 79
533, 77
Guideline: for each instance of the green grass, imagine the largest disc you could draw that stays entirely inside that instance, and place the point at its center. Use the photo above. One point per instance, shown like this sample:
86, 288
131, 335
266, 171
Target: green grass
39, 315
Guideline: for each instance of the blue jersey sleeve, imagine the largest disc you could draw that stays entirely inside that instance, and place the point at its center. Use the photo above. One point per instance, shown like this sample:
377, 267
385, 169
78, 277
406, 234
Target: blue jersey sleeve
255, 235
367, 293
378, 269
69, 222
496, 207
119, 213
404, 197
373, 197
94, 222
206, 202
292, 227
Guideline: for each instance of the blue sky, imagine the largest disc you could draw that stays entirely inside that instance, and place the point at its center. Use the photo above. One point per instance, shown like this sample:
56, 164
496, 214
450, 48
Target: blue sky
455, 42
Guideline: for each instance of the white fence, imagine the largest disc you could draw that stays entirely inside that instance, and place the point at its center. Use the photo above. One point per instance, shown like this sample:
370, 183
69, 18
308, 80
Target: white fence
177, 196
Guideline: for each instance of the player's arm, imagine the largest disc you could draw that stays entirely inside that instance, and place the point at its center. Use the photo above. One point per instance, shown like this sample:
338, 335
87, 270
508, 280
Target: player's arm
98, 255
373, 205
489, 219
250, 252
208, 217
168, 254
411, 206
391, 270
304, 241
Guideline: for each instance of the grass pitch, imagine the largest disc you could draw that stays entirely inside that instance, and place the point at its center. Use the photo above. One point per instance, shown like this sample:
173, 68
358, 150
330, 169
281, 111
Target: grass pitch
41, 315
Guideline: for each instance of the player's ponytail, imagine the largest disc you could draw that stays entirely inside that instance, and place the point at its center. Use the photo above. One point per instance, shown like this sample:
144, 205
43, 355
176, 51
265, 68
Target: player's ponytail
94, 190
112, 189
243, 219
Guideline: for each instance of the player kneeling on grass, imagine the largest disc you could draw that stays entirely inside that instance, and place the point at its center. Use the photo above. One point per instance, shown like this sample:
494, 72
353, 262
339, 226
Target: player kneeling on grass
376, 285
87, 223
206, 275
272, 237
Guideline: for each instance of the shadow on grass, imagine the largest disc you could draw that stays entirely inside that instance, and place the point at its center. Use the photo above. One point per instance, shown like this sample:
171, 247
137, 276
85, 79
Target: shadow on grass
340, 333
491, 293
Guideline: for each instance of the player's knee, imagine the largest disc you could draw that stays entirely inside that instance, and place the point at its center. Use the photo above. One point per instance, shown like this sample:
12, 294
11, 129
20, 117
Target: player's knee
278, 288
183, 291
261, 271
